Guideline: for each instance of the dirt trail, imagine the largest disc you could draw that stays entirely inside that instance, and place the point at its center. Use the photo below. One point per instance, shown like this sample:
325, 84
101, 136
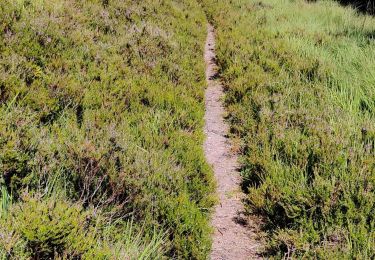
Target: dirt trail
234, 236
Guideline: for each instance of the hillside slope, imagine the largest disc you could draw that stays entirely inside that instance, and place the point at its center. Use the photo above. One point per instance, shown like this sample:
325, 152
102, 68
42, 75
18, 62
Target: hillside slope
300, 93
101, 115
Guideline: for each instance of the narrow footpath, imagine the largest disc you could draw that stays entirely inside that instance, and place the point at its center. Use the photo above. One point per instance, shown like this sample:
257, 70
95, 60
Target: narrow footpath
234, 236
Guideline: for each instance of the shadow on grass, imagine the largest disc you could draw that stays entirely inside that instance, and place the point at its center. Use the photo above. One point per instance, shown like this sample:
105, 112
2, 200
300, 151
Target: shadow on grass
363, 6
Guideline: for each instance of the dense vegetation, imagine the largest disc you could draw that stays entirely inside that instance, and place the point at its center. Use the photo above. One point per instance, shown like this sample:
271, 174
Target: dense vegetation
101, 114
300, 79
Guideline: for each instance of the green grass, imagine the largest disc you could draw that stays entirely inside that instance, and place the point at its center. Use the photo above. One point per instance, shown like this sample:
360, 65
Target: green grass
101, 110
300, 95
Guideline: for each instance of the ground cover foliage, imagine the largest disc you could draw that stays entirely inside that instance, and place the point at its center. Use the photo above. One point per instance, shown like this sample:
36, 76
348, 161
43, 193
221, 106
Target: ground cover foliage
101, 115
300, 95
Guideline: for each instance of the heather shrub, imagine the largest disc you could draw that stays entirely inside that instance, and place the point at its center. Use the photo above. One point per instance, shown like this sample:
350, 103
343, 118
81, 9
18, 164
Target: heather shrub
300, 99
101, 103
54, 228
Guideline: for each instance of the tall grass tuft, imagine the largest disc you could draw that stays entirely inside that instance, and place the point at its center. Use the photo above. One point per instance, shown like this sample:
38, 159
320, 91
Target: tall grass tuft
6, 202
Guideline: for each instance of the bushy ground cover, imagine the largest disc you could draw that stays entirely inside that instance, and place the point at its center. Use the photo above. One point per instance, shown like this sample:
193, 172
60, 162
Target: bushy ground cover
300, 94
101, 115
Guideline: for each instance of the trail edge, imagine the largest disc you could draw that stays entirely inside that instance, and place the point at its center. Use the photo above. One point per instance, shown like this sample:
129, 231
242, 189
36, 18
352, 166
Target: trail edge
234, 234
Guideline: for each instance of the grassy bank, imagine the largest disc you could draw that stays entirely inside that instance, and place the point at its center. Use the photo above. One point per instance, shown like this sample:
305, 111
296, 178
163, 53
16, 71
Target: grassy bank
101, 114
300, 82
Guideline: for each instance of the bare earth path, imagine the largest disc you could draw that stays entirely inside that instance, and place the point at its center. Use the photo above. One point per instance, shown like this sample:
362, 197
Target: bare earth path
234, 236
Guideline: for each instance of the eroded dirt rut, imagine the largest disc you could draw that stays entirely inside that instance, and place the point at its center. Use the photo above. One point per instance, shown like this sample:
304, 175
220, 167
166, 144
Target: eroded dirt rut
234, 236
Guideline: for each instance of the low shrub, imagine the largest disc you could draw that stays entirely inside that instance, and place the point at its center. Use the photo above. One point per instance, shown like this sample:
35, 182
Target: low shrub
299, 94
54, 228
101, 103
